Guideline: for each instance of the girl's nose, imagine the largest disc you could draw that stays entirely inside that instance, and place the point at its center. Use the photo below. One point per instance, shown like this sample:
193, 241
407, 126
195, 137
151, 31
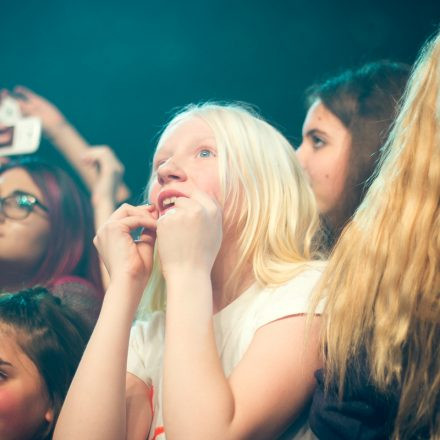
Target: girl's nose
170, 171
301, 155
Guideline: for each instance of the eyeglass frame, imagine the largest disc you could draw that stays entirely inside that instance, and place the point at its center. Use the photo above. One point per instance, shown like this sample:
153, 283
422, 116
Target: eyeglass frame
31, 200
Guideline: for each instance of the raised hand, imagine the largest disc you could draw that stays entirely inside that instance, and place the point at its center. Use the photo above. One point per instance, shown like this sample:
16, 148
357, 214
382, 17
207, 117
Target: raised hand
63, 136
110, 173
32, 104
128, 260
190, 234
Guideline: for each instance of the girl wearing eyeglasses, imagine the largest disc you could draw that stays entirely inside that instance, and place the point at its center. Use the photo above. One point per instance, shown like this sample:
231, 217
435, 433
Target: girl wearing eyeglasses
46, 232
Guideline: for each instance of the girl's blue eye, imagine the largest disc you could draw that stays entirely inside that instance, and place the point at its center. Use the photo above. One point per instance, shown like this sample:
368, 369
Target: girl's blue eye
205, 153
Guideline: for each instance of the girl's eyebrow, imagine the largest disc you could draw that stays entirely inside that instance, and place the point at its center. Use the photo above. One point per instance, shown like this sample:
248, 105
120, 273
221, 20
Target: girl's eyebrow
20, 192
3, 362
165, 150
313, 131
204, 138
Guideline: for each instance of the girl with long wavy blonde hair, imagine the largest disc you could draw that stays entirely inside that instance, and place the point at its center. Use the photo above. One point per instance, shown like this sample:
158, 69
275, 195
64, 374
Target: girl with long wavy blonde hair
382, 286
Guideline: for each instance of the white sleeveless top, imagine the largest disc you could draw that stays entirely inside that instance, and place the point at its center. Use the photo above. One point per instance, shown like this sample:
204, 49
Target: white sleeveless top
234, 328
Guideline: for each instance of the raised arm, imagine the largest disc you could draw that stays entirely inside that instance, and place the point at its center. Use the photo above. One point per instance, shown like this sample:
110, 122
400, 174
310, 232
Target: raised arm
273, 382
63, 135
104, 189
95, 406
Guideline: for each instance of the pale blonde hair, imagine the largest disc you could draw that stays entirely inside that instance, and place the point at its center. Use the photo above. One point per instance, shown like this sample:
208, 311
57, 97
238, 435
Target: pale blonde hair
266, 199
382, 283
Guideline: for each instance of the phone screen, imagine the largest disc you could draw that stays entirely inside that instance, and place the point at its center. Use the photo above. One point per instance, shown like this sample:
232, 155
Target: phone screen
23, 137
6, 136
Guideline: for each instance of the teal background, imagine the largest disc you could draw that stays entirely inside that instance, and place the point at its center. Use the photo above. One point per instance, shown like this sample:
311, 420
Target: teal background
117, 69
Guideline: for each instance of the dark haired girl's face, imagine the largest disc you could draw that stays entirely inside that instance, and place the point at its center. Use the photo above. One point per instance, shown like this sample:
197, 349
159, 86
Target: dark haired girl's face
324, 154
22, 241
24, 404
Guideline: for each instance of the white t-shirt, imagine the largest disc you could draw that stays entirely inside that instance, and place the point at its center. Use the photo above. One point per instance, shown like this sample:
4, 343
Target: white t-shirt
234, 328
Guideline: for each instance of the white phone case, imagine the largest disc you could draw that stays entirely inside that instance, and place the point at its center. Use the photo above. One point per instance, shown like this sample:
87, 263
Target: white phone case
10, 112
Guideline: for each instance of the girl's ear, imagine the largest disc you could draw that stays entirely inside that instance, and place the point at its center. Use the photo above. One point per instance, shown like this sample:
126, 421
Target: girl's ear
49, 416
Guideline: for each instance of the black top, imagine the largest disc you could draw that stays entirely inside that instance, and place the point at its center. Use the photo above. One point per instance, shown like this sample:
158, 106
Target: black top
363, 414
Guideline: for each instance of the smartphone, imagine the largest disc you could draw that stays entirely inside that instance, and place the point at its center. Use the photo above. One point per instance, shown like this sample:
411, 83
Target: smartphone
18, 134
23, 137
10, 111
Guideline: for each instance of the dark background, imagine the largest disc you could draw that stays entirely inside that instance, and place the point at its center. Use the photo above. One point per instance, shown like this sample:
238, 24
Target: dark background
117, 69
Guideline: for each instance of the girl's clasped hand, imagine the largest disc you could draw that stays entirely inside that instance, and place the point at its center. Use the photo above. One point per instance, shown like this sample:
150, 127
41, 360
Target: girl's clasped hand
189, 235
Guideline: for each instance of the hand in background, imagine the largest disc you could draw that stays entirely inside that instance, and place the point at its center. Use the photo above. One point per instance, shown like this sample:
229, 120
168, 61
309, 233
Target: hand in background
32, 104
63, 136
110, 172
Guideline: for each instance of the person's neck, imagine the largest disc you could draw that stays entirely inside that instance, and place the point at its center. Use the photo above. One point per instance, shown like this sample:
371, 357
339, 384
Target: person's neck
224, 289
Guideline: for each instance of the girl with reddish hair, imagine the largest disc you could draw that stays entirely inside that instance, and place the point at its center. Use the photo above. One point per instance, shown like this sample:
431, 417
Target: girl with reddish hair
46, 232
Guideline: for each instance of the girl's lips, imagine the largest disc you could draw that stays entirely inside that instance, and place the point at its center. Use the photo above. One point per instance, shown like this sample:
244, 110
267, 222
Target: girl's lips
164, 199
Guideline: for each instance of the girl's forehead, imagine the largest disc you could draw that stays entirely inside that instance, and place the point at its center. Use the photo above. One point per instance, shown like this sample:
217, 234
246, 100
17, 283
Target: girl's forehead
187, 129
9, 347
18, 178
11, 352
7, 330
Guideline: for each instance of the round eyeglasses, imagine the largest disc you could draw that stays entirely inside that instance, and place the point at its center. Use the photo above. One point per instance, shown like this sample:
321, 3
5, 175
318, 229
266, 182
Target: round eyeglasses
19, 205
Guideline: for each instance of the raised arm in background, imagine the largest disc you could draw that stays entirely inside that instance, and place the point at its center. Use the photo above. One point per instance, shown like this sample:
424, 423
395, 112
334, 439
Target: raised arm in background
63, 135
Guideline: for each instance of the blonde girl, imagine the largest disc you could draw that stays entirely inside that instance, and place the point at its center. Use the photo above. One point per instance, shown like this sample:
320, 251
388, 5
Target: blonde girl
232, 221
382, 332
